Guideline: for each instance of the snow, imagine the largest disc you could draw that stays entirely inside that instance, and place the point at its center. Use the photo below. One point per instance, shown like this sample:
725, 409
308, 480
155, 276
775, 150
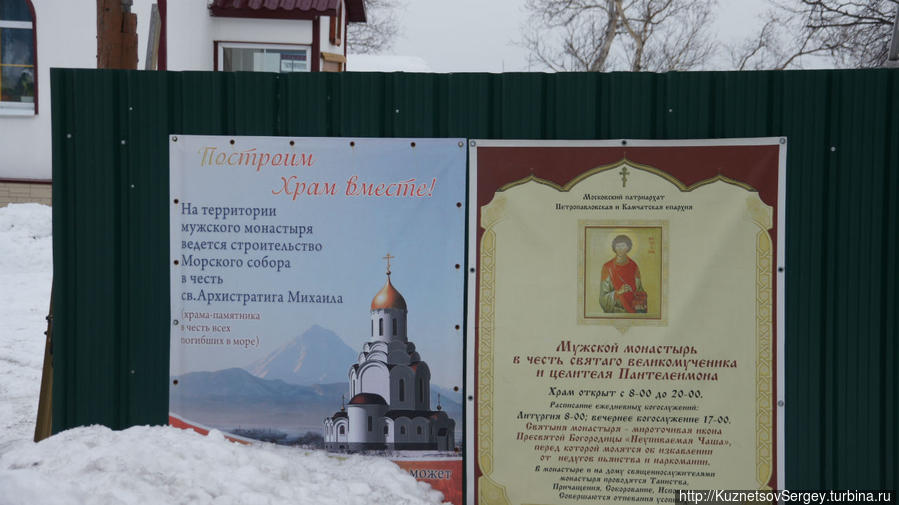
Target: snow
143, 464
385, 63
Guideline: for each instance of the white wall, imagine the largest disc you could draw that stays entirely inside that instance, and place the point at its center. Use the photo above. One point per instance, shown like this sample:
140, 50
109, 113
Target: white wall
192, 33
25, 140
67, 37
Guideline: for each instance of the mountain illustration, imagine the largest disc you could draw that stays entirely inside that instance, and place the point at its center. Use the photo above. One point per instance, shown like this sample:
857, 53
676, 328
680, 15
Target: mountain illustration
318, 356
231, 398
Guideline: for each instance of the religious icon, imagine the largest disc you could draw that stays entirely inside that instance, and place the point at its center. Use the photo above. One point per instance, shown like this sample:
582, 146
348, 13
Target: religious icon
622, 271
621, 289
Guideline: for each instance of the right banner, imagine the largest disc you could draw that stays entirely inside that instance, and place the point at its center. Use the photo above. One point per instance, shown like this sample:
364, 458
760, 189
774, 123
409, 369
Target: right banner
625, 319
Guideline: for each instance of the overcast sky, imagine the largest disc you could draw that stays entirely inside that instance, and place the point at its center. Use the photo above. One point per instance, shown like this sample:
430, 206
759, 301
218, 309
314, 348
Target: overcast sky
481, 35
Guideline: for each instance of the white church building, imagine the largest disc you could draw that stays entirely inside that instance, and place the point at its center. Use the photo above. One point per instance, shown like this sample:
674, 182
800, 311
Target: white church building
389, 390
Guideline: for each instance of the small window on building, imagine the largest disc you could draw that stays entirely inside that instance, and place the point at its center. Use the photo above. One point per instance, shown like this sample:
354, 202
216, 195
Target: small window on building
248, 57
342, 430
394, 326
17, 54
419, 430
402, 430
421, 390
402, 390
385, 429
381, 326
373, 327
369, 423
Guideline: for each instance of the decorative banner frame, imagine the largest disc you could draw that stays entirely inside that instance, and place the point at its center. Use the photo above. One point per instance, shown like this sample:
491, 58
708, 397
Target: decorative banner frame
622, 294
317, 295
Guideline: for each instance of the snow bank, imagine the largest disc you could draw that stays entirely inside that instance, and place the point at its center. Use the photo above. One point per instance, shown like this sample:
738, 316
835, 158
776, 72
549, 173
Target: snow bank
143, 465
25, 278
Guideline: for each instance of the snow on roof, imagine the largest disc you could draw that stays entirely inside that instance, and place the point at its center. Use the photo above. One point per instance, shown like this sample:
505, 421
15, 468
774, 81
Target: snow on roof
385, 63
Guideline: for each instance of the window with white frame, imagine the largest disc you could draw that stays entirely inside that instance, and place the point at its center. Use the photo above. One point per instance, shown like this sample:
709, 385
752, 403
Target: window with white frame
17, 70
251, 57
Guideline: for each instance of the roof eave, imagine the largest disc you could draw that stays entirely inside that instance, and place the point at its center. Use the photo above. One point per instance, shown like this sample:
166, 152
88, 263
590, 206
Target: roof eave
292, 14
355, 11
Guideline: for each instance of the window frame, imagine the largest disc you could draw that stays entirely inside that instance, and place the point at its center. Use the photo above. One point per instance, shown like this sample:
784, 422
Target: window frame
24, 109
221, 45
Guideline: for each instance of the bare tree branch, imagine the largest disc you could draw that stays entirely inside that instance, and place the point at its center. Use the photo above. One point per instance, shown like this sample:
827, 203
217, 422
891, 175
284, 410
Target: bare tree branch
853, 34
379, 31
602, 35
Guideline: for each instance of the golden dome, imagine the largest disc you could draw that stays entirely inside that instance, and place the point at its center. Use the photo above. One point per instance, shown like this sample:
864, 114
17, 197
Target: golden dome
388, 298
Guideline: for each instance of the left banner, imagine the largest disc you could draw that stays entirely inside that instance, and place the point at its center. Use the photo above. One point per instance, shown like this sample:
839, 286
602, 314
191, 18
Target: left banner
317, 295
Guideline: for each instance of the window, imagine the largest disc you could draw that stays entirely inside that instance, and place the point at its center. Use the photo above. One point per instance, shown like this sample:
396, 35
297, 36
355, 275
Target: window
402, 430
402, 390
394, 326
419, 430
369, 423
246, 57
381, 326
342, 430
385, 429
17, 57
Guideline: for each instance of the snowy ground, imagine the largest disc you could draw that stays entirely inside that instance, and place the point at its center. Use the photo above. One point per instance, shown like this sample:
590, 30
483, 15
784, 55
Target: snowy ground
143, 465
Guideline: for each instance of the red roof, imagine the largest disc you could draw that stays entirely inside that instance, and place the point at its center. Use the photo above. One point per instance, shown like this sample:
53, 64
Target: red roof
368, 399
287, 9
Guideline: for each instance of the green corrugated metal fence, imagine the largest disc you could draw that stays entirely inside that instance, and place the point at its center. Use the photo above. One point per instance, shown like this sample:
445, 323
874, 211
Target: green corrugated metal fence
110, 215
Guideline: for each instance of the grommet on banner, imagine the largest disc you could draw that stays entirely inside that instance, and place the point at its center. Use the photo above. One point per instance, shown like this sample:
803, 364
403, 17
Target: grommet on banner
458, 327
470, 398
780, 403
461, 144
175, 322
352, 144
624, 142
455, 388
412, 144
175, 382
231, 142
459, 204
458, 266
174, 139
783, 140
471, 269
472, 143
176, 201
176, 262
292, 143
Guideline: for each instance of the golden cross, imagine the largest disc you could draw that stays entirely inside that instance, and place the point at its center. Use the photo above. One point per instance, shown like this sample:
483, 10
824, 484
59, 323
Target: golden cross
388, 258
624, 173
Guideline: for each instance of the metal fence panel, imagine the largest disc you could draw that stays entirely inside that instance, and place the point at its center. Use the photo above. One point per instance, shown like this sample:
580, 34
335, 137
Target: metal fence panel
110, 215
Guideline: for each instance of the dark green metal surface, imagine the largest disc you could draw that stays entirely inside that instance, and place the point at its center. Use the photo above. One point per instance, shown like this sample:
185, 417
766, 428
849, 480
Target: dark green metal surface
110, 215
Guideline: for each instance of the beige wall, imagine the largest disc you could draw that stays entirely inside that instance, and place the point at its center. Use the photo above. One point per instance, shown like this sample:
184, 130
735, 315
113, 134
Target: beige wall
23, 192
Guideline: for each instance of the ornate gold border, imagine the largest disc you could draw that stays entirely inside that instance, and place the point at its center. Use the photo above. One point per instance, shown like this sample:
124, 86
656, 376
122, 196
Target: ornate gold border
761, 215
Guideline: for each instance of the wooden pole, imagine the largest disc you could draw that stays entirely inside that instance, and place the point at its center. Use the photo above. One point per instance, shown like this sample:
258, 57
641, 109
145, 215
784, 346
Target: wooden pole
43, 428
116, 35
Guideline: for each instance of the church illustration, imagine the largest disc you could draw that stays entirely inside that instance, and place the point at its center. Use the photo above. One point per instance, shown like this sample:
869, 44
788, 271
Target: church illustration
390, 386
